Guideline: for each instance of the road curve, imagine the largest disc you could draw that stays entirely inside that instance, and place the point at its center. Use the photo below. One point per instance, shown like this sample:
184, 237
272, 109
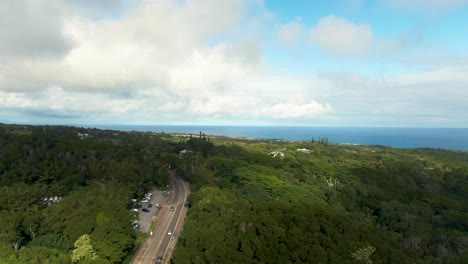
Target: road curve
160, 243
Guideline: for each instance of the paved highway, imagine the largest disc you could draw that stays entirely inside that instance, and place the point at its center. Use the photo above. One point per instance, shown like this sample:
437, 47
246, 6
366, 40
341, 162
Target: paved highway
160, 243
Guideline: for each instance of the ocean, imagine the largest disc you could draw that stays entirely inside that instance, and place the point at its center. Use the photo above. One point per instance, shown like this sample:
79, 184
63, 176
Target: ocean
444, 138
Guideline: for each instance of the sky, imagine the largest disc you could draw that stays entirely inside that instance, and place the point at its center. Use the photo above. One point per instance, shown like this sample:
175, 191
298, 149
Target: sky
342, 63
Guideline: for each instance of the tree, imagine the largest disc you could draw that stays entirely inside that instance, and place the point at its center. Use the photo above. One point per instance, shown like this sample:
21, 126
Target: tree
55, 241
363, 254
83, 249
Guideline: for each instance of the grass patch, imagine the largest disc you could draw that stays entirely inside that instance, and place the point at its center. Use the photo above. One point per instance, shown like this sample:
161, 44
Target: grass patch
153, 226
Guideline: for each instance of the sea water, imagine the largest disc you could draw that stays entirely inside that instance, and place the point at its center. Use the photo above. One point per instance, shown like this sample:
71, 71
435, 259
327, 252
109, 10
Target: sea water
445, 138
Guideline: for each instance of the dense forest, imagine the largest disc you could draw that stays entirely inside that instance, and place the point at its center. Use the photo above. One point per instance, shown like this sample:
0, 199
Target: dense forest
314, 202
64, 189
252, 201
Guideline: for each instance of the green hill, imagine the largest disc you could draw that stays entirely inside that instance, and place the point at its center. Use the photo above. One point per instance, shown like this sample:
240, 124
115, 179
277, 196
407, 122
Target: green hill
325, 204
334, 204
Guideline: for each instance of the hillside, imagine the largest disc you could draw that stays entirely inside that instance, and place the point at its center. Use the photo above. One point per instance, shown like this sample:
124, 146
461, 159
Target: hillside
63, 184
334, 204
326, 203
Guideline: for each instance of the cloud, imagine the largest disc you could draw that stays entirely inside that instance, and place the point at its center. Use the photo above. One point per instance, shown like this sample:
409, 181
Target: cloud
339, 36
430, 98
161, 58
142, 49
172, 61
436, 60
432, 5
295, 109
32, 29
96, 6
290, 33
453, 80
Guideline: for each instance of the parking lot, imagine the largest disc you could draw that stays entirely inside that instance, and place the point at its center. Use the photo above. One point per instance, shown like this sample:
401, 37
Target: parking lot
146, 217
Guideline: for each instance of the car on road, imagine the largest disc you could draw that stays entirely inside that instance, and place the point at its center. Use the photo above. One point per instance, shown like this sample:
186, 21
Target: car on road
146, 210
172, 208
169, 233
159, 259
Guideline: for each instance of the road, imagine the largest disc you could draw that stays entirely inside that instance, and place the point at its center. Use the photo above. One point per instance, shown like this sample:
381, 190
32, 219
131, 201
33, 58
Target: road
160, 243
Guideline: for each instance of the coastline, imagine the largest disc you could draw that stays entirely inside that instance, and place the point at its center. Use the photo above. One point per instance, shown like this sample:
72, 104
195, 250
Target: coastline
406, 138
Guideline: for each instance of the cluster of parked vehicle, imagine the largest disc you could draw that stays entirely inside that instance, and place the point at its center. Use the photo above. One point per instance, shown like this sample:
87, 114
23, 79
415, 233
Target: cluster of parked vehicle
147, 197
135, 206
136, 225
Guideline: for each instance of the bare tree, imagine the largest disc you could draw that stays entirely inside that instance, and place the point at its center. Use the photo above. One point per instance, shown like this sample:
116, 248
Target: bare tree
17, 243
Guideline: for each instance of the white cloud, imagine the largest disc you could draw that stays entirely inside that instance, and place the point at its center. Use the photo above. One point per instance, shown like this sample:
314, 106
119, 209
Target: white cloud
290, 33
434, 5
162, 58
31, 29
426, 98
173, 61
342, 37
295, 109
139, 50
453, 80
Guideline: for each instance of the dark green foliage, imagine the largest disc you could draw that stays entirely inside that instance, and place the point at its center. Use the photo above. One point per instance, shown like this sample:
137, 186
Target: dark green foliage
39, 255
334, 204
96, 176
200, 145
327, 205
53, 241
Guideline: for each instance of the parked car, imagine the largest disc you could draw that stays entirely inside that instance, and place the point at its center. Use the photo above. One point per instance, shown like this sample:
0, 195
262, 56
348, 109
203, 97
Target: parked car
145, 201
146, 210
150, 205
159, 259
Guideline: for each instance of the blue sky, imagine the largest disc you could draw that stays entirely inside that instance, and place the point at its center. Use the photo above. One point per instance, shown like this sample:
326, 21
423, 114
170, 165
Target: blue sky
366, 63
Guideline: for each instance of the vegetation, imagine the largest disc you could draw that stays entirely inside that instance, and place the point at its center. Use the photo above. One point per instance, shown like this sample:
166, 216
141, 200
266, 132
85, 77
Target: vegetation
96, 174
333, 204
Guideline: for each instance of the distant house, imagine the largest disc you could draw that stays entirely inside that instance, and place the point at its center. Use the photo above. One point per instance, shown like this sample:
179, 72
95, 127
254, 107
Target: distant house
83, 135
303, 150
183, 152
275, 154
